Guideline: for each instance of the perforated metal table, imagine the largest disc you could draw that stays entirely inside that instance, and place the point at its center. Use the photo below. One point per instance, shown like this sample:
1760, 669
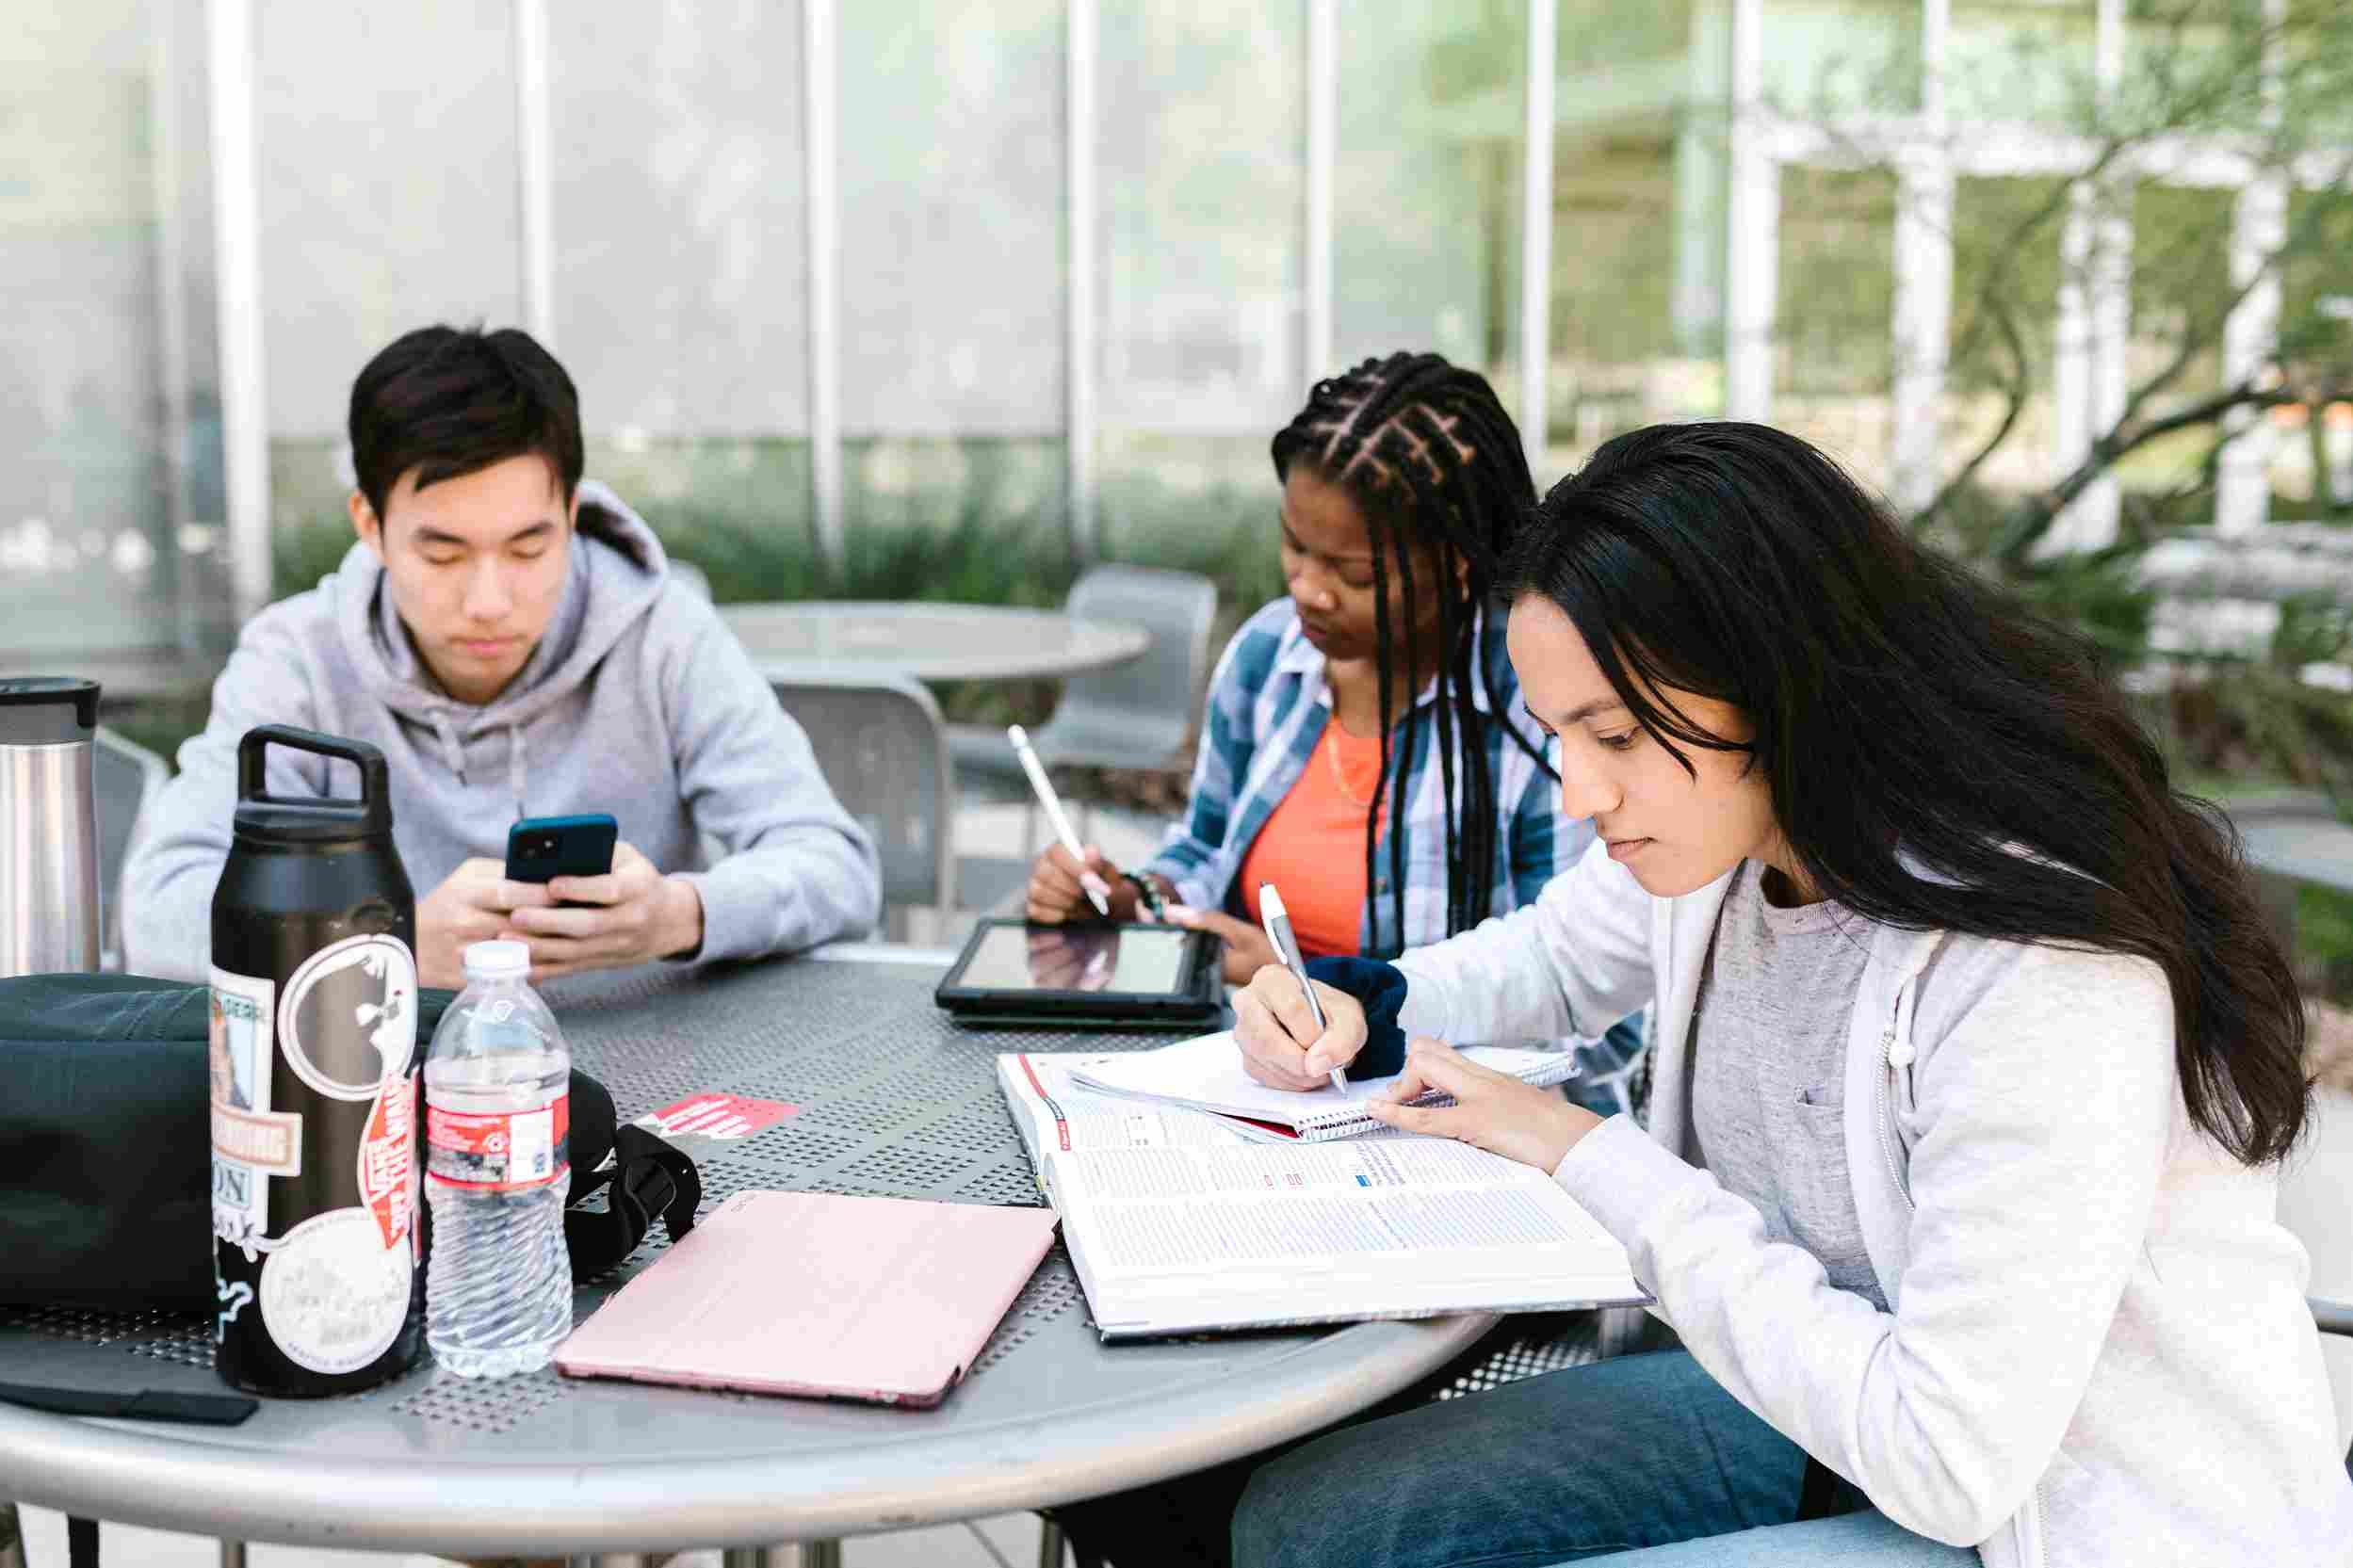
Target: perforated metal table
927, 641
896, 1102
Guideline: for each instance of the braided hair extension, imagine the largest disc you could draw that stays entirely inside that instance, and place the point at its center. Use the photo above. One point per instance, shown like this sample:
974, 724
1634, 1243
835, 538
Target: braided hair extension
1430, 458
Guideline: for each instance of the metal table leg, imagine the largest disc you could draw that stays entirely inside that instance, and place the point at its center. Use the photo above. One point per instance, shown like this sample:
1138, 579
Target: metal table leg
233, 1554
1049, 1544
11, 1538
821, 1553
753, 1557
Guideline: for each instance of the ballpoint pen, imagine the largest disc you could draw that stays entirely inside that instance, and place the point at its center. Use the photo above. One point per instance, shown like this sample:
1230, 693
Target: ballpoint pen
1098, 892
1277, 922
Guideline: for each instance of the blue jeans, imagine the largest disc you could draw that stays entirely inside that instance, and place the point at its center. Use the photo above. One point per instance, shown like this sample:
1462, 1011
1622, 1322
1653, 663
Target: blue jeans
1635, 1461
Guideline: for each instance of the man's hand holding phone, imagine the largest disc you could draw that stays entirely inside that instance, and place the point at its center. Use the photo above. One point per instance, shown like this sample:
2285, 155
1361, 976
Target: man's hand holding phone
630, 915
477, 903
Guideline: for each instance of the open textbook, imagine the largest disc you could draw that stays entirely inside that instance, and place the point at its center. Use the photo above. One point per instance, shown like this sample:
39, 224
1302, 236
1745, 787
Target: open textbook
1206, 1074
1178, 1224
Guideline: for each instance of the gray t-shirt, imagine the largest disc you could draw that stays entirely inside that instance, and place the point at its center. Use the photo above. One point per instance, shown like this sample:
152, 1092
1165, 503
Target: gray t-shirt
1769, 1069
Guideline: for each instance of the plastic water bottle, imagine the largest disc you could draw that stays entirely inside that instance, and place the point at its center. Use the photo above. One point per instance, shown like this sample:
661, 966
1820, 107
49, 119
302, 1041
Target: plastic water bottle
499, 1285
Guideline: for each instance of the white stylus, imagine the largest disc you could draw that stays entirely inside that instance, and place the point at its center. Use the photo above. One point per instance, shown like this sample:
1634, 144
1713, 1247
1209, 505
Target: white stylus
1277, 919
1098, 891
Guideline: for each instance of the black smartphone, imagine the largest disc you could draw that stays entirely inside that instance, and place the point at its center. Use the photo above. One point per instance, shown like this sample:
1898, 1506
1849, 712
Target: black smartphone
543, 848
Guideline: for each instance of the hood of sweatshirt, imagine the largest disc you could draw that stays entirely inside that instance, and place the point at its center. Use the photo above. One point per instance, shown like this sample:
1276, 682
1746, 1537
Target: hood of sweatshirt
616, 573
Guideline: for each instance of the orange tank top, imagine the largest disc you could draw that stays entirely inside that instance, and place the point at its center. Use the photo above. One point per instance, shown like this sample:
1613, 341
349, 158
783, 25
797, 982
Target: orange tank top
1311, 845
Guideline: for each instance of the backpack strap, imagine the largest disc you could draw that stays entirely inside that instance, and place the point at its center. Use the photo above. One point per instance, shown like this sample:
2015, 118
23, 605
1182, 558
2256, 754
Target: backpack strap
648, 1178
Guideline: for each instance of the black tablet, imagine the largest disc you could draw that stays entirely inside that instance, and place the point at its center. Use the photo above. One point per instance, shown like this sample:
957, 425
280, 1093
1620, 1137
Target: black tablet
1100, 976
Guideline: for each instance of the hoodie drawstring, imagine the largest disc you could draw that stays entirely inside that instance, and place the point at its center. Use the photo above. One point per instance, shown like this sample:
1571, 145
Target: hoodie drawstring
452, 754
518, 772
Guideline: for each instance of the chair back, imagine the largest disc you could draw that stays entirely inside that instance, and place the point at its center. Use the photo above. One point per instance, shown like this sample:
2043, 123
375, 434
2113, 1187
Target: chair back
2312, 1207
124, 776
1149, 703
882, 747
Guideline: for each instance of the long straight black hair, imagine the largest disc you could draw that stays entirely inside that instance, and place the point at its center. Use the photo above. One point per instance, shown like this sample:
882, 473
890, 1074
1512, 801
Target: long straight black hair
1938, 757
1430, 456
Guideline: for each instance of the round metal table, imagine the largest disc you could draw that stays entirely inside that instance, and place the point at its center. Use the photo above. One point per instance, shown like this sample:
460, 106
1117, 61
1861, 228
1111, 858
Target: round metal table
927, 641
894, 1101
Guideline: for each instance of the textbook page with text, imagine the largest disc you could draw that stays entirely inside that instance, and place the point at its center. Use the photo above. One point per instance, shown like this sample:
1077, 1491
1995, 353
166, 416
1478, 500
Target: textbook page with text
1178, 1225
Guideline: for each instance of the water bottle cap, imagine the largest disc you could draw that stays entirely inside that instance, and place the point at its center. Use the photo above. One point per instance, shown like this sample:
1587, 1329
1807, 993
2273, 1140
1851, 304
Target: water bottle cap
497, 961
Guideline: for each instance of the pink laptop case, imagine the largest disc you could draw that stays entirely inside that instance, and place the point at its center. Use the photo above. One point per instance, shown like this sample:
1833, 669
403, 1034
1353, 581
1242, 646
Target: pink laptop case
880, 1299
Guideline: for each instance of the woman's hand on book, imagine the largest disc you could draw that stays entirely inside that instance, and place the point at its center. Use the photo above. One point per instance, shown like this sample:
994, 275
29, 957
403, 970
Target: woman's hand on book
1280, 1047
1492, 1110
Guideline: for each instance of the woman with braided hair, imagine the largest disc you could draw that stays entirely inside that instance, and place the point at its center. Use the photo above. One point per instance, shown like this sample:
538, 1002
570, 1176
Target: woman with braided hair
1361, 749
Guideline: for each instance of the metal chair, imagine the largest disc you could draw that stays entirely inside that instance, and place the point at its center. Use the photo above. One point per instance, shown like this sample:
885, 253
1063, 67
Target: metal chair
881, 746
1136, 716
124, 777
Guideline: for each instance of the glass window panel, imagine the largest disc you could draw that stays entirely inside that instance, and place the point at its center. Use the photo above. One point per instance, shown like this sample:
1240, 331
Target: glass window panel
952, 263
1427, 197
385, 153
680, 200
109, 454
1201, 294
2020, 62
2004, 327
1833, 353
1638, 221
1829, 57
679, 216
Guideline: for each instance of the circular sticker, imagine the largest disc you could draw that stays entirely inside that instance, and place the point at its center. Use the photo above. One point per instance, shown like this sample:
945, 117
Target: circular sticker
333, 1296
348, 1022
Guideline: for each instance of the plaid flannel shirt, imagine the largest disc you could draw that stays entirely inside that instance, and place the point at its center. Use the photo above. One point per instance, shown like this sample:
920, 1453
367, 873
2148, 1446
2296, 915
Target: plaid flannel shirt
1268, 705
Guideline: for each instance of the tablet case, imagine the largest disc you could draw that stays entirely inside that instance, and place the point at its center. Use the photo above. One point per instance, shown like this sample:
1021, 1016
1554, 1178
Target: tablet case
886, 1299
1200, 1004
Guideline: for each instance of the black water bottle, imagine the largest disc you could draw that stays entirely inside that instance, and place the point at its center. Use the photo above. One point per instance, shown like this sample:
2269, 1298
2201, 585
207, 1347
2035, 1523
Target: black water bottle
318, 1259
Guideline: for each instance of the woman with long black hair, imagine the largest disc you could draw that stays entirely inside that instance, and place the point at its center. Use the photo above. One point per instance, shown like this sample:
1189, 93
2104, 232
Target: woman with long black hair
1974, 1062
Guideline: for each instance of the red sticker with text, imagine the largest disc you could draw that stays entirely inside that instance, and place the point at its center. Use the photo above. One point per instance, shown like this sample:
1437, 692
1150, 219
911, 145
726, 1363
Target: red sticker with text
388, 1155
722, 1117
498, 1150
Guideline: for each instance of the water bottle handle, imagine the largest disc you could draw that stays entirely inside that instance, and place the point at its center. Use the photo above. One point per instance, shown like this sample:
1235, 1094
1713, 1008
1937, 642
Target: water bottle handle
375, 800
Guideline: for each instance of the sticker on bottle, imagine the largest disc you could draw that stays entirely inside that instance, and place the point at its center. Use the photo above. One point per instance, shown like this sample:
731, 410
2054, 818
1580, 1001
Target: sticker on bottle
387, 1160
250, 1143
348, 1022
333, 1297
498, 1151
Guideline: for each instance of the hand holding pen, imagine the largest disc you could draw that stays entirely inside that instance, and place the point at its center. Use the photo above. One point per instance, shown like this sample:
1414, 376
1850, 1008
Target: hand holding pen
1071, 876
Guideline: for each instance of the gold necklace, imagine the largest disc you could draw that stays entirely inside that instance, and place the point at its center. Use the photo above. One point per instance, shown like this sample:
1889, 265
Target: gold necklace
1339, 780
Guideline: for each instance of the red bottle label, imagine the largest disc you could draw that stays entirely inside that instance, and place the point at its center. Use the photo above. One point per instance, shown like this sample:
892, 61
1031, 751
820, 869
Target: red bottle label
498, 1151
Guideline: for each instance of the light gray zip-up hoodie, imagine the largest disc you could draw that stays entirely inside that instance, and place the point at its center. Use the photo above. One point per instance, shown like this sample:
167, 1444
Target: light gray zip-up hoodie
2096, 1349
637, 702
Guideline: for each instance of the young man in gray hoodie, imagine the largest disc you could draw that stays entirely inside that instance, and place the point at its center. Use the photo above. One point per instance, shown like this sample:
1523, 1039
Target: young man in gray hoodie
510, 637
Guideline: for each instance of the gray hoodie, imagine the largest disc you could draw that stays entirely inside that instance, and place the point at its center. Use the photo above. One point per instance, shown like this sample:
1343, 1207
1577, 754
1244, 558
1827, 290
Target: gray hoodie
636, 701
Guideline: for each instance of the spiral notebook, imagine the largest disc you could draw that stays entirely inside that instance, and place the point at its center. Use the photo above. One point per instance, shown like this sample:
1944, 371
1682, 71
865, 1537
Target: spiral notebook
1206, 1074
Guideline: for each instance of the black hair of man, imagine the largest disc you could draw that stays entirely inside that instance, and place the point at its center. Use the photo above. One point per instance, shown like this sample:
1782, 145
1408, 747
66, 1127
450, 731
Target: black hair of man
1431, 459
449, 401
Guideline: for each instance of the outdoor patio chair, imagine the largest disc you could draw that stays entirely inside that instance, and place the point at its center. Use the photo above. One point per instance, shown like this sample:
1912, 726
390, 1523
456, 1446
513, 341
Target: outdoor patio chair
124, 777
1133, 717
881, 746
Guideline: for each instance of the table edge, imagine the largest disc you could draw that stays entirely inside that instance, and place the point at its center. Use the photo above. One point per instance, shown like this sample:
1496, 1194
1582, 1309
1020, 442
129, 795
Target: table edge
135, 1473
